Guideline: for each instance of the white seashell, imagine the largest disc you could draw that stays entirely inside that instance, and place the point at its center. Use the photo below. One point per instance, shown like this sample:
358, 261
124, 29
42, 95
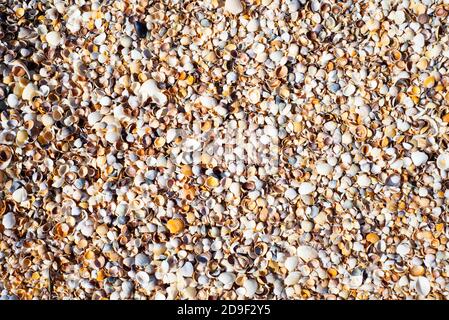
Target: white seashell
53, 38
105, 101
356, 279
323, 168
292, 278
306, 188
94, 117
29, 92
20, 195
443, 161
171, 135
306, 253
142, 260
112, 134
423, 286
233, 6
47, 120
142, 278
227, 278
290, 193
9, 220
363, 181
12, 100
99, 40
187, 270
253, 95
419, 158
208, 102
86, 227
291, 263
149, 89
250, 286
403, 249
349, 90
253, 25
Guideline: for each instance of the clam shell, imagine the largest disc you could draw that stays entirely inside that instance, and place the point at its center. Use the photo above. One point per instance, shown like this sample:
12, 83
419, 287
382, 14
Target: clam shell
30, 91
423, 286
20, 195
233, 6
306, 188
419, 158
443, 161
53, 38
227, 278
9, 220
306, 253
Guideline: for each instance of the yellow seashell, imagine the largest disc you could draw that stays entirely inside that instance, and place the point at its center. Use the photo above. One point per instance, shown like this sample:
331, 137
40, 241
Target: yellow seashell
429, 82
175, 225
212, 182
372, 238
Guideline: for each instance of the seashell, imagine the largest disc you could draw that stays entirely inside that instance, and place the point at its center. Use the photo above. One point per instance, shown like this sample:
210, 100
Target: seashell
429, 82
372, 237
141, 260
291, 263
9, 220
443, 161
159, 142
253, 95
186, 270
356, 279
212, 182
306, 253
423, 286
171, 135
227, 278
417, 271
292, 278
233, 6
251, 287
208, 102
253, 25
94, 117
53, 38
393, 180
323, 168
306, 188
5, 156
290, 193
175, 226
30, 91
403, 249
20, 195
149, 89
419, 158
142, 278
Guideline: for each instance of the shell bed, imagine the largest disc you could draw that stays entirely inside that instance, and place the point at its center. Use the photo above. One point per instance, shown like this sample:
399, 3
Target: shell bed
224, 149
